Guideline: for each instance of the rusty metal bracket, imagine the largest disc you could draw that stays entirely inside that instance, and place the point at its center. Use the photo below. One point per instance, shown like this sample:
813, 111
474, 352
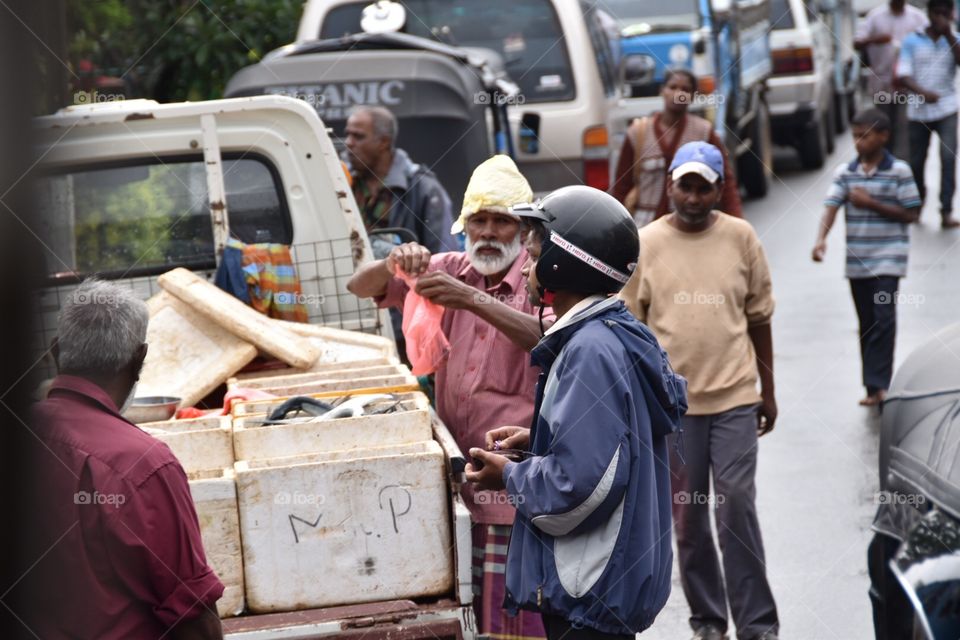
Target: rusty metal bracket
216, 191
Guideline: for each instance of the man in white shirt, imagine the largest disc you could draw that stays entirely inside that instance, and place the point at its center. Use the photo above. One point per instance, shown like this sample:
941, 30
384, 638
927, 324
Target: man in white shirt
879, 35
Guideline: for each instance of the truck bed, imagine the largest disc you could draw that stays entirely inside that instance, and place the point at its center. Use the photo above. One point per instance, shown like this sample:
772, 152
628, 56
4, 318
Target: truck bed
443, 619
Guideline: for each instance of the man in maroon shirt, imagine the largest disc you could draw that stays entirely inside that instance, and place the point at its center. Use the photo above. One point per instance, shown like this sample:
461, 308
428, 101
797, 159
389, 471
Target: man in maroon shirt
117, 551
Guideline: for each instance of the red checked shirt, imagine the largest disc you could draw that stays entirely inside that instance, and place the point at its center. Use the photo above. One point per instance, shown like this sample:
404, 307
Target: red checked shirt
487, 381
120, 555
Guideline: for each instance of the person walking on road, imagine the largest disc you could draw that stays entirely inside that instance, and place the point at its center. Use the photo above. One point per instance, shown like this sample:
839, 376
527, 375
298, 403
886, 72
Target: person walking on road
880, 199
486, 379
590, 549
649, 147
928, 67
703, 286
879, 35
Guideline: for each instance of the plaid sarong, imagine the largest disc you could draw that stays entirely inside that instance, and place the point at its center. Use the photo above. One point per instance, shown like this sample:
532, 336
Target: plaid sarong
489, 586
272, 281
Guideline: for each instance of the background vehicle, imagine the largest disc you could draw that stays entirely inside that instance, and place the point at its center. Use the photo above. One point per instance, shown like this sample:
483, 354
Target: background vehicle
131, 190
920, 481
725, 43
814, 75
556, 51
442, 96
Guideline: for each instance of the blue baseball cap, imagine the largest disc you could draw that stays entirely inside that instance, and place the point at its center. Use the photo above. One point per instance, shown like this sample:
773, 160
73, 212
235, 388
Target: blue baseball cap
701, 158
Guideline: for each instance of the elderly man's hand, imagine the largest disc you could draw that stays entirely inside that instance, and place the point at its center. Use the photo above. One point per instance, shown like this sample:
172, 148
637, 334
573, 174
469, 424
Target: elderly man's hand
443, 289
411, 258
490, 477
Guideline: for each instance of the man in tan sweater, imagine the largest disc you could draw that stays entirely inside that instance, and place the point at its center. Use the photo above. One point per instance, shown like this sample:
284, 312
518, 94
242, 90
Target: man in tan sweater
702, 285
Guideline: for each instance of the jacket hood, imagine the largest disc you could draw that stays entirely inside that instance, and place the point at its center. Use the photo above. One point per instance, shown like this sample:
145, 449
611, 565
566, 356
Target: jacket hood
651, 365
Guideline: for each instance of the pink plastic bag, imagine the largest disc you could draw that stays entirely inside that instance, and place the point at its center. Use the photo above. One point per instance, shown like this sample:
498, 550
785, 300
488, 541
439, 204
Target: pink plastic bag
426, 344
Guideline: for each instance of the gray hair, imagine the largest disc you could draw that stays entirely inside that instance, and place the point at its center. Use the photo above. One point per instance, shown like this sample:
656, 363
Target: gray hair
100, 329
384, 123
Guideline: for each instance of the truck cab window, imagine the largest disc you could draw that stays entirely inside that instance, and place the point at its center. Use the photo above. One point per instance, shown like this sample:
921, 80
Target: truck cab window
154, 216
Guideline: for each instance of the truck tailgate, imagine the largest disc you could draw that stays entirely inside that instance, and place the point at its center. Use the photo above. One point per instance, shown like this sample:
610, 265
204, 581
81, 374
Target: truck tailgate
393, 619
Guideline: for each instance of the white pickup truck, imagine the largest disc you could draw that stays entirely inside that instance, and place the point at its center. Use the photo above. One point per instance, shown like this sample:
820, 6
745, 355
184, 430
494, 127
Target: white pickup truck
130, 190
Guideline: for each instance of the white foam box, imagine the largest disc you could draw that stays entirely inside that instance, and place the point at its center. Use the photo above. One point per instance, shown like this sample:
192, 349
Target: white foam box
200, 444
253, 440
353, 384
345, 527
341, 373
215, 499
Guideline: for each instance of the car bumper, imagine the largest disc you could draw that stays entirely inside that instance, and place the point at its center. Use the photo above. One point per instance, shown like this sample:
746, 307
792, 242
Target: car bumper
788, 95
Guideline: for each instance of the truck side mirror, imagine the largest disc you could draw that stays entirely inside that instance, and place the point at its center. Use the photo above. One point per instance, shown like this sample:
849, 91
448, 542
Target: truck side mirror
636, 70
529, 134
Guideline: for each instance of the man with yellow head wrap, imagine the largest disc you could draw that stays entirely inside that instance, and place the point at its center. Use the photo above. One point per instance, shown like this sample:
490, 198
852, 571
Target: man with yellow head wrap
486, 380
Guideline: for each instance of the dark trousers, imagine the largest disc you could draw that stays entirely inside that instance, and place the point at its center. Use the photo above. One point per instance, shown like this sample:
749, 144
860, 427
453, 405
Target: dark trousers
876, 303
558, 628
725, 443
898, 143
919, 132
892, 613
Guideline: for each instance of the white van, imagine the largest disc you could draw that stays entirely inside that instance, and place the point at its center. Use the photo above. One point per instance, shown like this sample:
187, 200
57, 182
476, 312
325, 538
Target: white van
129, 190
557, 51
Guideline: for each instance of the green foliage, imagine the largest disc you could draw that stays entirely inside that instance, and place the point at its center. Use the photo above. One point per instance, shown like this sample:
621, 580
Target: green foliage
174, 50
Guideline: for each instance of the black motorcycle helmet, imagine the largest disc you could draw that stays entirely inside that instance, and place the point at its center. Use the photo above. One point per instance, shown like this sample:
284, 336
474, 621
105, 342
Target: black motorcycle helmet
590, 243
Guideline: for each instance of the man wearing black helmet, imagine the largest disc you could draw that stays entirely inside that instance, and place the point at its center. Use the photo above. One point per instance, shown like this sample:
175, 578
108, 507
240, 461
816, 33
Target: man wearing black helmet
590, 548
703, 286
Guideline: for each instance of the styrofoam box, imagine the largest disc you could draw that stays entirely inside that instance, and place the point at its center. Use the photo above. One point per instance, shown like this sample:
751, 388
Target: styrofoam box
343, 372
255, 441
242, 377
200, 444
298, 384
345, 527
215, 498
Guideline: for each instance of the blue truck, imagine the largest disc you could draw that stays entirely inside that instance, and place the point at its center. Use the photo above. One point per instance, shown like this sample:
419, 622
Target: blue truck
726, 44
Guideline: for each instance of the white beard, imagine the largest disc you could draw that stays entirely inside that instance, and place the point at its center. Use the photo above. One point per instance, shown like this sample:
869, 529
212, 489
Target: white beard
490, 265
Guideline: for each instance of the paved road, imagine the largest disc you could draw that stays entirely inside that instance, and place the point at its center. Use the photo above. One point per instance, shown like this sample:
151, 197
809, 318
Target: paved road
818, 471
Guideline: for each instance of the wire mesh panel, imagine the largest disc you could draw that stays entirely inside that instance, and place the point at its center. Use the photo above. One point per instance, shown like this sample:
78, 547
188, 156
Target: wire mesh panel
322, 267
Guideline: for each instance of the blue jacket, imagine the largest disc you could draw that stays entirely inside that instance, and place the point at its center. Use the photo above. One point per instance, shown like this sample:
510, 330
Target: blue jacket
591, 541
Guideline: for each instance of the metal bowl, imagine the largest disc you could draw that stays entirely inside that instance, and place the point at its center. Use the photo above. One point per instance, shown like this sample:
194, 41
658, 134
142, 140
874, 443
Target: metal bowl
151, 409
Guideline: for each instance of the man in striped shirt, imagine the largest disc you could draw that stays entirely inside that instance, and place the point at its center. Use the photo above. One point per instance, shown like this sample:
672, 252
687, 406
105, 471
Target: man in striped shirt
881, 199
927, 67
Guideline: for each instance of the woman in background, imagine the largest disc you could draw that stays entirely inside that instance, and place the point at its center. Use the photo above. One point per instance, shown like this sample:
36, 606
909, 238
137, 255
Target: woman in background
649, 147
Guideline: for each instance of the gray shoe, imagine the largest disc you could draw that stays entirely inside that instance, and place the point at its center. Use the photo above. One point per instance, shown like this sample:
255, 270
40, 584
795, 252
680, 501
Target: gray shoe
709, 632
